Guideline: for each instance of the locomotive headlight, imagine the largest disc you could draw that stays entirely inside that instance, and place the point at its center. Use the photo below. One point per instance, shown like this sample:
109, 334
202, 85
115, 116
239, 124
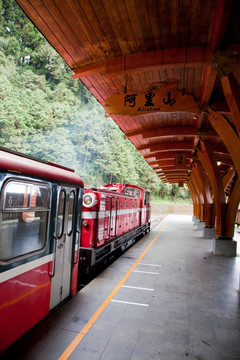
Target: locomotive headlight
89, 200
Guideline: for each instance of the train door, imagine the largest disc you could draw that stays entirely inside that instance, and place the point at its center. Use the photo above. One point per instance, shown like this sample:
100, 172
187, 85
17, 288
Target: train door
62, 266
113, 217
110, 218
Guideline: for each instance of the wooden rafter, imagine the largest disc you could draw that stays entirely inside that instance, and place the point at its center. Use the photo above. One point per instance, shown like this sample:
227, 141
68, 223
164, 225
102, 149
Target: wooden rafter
151, 60
228, 136
170, 131
228, 178
163, 163
207, 85
178, 145
167, 155
231, 90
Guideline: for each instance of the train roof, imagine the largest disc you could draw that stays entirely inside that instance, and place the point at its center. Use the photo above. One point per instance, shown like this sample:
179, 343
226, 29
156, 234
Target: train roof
122, 186
16, 162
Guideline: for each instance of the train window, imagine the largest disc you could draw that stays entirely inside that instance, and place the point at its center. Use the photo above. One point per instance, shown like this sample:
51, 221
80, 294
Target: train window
132, 191
71, 212
146, 198
61, 213
24, 219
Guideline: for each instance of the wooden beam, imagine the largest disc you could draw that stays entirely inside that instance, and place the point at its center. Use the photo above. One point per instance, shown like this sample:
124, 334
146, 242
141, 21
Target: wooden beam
169, 169
177, 177
167, 155
231, 89
165, 132
227, 178
224, 158
194, 197
228, 136
163, 163
208, 161
233, 202
149, 61
207, 85
178, 145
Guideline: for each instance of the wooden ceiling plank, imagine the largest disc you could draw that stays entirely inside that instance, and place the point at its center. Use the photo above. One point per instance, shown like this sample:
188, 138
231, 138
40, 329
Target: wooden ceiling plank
135, 23
93, 90
54, 17
103, 19
220, 24
174, 22
145, 23
93, 22
165, 23
205, 21
184, 21
153, 13
77, 21
125, 40
194, 22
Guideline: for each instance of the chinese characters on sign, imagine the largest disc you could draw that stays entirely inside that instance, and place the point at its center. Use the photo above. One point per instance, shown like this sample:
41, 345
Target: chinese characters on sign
130, 100
165, 97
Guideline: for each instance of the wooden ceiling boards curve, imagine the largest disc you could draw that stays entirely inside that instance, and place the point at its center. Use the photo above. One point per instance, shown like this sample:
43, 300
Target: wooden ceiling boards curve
112, 45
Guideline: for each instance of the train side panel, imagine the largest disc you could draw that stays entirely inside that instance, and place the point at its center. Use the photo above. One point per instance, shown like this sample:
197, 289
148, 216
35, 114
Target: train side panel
30, 217
24, 302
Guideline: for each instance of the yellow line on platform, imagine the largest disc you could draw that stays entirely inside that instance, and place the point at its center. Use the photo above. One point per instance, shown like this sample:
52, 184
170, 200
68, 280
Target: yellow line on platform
93, 319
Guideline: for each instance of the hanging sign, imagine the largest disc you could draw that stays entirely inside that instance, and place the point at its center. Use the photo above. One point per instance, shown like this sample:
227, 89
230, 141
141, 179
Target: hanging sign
161, 97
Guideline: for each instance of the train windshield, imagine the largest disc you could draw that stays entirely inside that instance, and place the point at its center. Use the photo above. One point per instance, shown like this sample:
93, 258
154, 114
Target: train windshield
132, 191
24, 218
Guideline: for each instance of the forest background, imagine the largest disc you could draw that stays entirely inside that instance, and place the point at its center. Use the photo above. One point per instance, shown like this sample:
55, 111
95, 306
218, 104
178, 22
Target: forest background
45, 113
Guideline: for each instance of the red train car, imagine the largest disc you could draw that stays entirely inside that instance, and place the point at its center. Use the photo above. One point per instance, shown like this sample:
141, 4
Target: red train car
39, 241
113, 217
52, 232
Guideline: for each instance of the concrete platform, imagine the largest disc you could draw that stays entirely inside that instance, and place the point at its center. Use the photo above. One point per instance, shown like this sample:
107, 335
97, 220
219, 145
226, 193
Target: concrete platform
174, 300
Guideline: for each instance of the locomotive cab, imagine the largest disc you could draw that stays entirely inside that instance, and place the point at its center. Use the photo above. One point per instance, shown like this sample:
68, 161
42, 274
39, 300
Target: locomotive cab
114, 217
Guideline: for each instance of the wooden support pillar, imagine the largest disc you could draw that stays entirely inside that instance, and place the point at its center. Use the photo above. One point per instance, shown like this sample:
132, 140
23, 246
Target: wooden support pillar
208, 161
200, 196
204, 186
194, 199
231, 140
198, 211
228, 136
232, 206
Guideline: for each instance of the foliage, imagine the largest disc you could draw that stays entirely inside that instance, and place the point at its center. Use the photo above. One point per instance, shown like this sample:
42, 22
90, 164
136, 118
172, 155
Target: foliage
45, 113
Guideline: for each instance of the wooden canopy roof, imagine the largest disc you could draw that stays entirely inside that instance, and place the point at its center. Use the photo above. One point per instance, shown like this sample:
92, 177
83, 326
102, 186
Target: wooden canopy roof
117, 45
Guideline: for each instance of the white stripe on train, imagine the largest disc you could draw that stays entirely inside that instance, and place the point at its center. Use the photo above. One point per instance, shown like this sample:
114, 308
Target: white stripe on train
19, 270
88, 215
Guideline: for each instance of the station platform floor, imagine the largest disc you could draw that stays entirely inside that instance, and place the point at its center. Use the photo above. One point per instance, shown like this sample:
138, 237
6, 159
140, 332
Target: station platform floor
168, 297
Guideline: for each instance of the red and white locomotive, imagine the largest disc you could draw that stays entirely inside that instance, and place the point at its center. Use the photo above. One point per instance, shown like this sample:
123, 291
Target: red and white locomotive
113, 217
52, 231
